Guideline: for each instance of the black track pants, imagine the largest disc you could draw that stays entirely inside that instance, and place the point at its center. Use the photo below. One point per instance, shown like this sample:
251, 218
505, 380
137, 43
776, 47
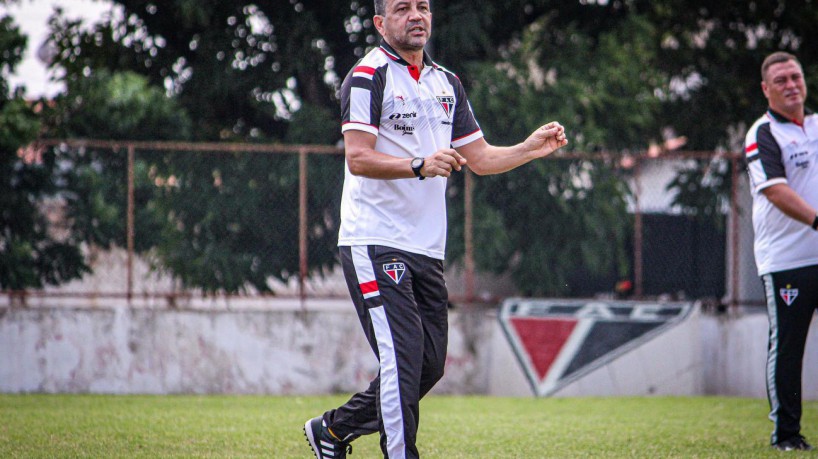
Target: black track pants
792, 297
402, 303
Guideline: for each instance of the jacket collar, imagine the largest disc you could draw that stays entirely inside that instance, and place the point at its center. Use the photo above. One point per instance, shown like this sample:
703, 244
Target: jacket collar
392, 54
783, 119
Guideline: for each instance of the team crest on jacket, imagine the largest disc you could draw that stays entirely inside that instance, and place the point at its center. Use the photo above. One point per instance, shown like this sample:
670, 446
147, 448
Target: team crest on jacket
394, 271
788, 294
559, 341
447, 102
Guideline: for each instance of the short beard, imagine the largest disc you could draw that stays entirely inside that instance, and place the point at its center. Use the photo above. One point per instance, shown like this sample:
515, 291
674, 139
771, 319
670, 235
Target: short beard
405, 45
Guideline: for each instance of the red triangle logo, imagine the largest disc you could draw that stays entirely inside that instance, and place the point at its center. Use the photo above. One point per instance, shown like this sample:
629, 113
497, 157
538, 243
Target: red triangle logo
559, 341
542, 340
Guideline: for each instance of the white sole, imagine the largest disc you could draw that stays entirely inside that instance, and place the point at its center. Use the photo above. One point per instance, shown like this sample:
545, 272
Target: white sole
310, 439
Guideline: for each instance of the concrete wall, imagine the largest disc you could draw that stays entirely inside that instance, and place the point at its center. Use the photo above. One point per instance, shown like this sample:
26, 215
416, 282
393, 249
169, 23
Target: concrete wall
749, 289
289, 351
158, 351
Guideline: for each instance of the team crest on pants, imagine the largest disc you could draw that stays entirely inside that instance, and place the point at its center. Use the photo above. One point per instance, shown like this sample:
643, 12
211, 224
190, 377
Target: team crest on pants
788, 294
394, 271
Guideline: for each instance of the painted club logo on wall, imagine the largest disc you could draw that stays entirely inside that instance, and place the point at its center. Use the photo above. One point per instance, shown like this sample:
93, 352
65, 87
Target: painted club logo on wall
558, 342
394, 271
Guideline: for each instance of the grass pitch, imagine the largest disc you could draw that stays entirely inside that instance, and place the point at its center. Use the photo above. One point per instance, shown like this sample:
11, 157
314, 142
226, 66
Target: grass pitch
451, 427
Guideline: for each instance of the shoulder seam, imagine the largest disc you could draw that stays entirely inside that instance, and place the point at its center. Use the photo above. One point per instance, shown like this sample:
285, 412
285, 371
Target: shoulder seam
374, 59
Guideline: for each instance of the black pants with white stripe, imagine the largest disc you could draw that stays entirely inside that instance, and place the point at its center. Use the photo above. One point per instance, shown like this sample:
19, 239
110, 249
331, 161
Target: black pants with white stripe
792, 297
402, 303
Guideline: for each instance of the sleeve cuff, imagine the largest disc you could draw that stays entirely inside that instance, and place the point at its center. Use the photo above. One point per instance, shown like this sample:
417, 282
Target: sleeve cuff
356, 126
467, 139
770, 183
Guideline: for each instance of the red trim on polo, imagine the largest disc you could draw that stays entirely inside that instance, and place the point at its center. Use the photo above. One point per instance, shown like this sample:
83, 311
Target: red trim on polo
464, 136
390, 55
414, 72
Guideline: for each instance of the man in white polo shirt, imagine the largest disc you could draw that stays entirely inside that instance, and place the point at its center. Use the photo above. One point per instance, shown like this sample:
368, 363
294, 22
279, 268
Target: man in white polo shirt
782, 150
407, 126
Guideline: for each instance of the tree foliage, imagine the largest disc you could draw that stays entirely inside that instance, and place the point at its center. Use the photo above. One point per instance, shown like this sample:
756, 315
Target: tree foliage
712, 54
112, 106
240, 69
619, 74
220, 222
31, 253
561, 218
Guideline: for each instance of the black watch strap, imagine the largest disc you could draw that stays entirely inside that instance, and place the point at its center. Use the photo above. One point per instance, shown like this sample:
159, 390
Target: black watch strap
417, 165
815, 223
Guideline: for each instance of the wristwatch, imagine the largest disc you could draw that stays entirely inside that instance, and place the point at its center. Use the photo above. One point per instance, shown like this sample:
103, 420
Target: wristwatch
815, 223
417, 165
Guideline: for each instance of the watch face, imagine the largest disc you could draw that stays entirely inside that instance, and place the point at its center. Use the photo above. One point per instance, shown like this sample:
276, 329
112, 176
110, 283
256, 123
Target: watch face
417, 165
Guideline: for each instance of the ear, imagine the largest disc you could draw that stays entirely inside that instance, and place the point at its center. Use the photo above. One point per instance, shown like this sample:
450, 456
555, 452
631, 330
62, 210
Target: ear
764, 89
378, 21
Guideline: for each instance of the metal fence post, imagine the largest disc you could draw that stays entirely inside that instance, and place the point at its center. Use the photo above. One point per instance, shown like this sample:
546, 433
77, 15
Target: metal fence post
130, 220
637, 231
734, 230
302, 226
468, 235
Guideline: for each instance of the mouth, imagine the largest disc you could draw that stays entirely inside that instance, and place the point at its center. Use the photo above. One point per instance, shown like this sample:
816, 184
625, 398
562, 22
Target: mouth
417, 30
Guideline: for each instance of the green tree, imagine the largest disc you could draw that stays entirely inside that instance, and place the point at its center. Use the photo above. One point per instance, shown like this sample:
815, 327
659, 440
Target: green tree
240, 69
254, 71
32, 253
118, 106
712, 54
618, 74
558, 218
220, 222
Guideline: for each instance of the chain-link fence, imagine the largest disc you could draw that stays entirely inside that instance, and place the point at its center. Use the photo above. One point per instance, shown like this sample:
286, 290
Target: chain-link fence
165, 222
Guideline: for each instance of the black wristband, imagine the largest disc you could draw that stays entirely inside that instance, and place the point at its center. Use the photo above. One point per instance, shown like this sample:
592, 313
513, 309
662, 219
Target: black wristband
815, 223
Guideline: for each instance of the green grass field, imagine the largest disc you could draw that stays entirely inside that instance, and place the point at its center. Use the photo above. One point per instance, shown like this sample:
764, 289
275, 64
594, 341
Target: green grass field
451, 427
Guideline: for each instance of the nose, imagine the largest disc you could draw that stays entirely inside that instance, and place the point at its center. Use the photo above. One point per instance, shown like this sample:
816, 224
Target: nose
414, 14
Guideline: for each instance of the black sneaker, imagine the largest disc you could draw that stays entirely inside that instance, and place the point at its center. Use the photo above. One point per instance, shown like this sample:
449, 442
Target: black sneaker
796, 443
323, 444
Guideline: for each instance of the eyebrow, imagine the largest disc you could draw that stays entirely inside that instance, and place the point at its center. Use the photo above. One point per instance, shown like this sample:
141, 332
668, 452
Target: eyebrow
403, 3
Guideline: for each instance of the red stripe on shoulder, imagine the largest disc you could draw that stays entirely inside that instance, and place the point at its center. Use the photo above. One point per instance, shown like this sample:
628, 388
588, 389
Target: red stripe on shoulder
751, 148
364, 69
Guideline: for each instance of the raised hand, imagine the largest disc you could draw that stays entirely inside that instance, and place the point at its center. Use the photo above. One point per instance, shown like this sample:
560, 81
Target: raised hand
546, 139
